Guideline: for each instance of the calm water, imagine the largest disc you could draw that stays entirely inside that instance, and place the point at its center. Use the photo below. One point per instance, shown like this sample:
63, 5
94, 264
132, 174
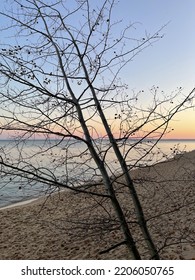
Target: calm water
50, 159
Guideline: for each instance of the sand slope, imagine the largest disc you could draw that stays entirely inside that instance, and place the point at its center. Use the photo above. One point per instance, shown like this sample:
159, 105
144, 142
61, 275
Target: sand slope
69, 226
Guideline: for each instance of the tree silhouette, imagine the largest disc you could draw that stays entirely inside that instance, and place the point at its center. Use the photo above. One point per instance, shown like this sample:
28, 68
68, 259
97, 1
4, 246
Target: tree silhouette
60, 80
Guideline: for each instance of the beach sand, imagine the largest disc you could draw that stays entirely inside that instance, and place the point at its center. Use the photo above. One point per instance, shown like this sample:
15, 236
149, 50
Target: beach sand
79, 226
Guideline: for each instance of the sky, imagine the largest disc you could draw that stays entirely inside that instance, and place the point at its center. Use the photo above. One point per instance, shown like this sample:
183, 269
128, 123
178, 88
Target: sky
170, 62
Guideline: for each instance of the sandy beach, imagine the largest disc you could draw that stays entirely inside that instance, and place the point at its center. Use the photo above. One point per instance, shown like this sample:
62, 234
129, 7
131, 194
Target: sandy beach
71, 226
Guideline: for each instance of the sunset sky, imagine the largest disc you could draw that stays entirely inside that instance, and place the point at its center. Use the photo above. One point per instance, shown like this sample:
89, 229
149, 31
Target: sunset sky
170, 62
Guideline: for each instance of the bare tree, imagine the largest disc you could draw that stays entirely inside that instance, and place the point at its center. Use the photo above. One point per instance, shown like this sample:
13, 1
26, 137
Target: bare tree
60, 80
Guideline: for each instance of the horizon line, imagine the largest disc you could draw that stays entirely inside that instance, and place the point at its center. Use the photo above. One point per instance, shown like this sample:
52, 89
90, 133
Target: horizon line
103, 138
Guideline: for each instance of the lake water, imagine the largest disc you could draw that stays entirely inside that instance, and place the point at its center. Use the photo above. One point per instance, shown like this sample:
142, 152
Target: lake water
70, 162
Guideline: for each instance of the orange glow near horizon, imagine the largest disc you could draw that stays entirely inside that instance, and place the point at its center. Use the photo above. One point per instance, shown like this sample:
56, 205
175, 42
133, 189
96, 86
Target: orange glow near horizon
181, 127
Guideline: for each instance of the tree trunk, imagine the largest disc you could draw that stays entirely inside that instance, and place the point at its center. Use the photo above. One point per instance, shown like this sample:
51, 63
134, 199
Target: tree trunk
138, 208
108, 184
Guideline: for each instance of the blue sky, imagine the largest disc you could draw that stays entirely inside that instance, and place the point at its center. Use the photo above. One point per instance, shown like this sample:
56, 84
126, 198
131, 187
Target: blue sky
170, 62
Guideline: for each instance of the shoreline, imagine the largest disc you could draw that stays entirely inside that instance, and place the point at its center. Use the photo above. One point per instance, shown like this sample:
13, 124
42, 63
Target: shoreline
33, 199
20, 203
